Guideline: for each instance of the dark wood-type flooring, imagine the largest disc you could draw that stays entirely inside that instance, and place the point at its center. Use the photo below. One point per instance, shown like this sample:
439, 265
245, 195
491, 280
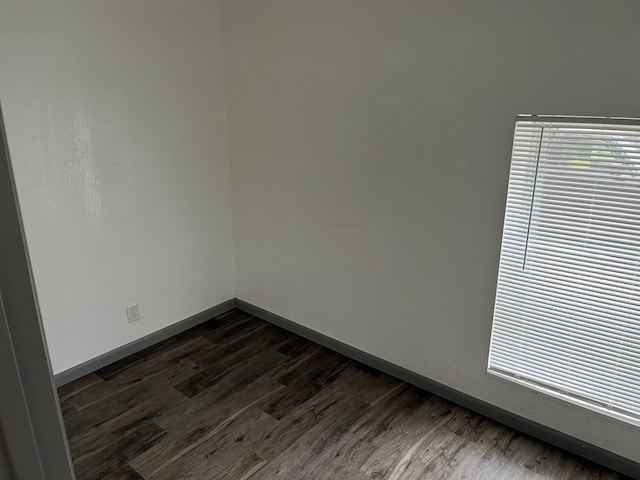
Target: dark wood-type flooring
238, 398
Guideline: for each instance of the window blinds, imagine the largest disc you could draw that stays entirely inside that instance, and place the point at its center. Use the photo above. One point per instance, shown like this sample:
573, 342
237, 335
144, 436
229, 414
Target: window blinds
567, 310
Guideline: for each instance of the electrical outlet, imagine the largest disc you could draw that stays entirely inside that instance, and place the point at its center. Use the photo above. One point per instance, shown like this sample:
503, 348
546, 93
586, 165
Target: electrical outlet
133, 314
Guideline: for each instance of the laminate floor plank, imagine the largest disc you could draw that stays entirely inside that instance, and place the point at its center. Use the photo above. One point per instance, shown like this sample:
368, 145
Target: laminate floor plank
161, 348
344, 461
237, 398
107, 419
295, 346
399, 443
391, 422
185, 436
190, 413
297, 393
234, 328
73, 388
245, 372
227, 455
301, 457
369, 385
223, 361
160, 371
472, 463
305, 379
111, 458
325, 404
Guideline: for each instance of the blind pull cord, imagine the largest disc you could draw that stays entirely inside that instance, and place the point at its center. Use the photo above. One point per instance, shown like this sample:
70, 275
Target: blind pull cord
533, 197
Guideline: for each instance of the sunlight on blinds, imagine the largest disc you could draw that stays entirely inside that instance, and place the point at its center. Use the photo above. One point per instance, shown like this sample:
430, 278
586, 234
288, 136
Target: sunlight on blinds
567, 311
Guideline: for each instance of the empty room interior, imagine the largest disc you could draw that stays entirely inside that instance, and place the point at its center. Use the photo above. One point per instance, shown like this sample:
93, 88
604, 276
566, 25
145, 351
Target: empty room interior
331, 239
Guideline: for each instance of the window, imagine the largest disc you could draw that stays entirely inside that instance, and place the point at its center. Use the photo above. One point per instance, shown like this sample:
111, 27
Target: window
567, 311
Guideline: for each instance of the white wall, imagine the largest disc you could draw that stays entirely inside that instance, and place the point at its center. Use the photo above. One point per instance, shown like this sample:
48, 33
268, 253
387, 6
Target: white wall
370, 145
115, 119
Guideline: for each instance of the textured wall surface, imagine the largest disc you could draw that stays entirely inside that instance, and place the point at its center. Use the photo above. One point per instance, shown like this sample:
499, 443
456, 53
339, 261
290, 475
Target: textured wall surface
115, 119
